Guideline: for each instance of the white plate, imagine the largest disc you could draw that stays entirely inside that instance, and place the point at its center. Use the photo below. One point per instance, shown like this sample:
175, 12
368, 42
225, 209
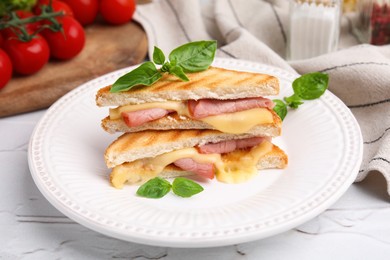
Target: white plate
321, 138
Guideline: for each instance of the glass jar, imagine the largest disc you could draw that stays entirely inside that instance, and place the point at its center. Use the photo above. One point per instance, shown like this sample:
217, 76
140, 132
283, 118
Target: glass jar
313, 29
373, 21
349, 6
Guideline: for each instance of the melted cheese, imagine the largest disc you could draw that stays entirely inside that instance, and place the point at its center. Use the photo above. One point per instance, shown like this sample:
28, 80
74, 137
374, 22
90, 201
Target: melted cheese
233, 123
234, 167
240, 165
178, 106
239, 122
143, 170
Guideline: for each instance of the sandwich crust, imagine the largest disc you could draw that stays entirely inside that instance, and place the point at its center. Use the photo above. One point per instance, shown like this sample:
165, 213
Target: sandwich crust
216, 83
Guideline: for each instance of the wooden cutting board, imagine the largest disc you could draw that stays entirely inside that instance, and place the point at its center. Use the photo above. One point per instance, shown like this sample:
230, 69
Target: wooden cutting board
107, 48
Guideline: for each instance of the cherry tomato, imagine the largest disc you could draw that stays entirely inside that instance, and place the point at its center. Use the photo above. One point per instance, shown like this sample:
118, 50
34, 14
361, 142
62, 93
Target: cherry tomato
117, 11
5, 68
85, 11
68, 43
27, 57
57, 6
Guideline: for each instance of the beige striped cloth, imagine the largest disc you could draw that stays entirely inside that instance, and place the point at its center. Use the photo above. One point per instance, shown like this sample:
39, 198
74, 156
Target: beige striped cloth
257, 30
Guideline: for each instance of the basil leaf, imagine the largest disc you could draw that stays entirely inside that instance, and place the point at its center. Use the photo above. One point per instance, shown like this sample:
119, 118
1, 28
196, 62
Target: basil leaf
194, 56
311, 86
178, 71
146, 74
293, 101
158, 56
280, 108
185, 188
154, 188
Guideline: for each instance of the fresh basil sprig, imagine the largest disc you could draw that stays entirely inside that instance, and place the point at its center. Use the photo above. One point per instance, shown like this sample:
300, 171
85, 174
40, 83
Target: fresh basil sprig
146, 74
158, 187
307, 87
190, 57
194, 56
280, 108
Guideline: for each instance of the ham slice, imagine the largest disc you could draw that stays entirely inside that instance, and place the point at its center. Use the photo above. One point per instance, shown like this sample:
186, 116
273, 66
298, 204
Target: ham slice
202, 169
198, 109
210, 107
207, 169
136, 118
231, 145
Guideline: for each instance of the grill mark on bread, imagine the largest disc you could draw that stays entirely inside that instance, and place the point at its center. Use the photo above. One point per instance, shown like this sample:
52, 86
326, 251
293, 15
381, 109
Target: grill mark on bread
163, 84
240, 80
136, 139
267, 78
227, 80
131, 141
169, 81
194, 80
187, 85
151, 138
249, 78
208, 84
216, 78
212, 83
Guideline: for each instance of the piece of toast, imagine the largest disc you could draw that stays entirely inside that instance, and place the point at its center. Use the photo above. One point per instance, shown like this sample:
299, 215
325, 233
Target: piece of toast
216, 83
148, 144
274, 159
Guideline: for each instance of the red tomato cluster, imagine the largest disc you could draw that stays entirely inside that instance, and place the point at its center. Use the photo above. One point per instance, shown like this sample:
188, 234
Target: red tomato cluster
28, 57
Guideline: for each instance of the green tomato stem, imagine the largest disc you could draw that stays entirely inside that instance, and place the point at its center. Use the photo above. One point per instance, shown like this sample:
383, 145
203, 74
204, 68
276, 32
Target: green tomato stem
18, 26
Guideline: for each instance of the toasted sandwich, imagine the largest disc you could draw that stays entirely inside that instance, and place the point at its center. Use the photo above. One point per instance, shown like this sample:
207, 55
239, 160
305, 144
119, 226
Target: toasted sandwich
219, 99
232, 158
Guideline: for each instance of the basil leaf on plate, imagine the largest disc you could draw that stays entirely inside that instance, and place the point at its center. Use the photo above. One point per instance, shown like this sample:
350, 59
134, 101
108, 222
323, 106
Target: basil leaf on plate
194, 56
155, 188
146, 74
280, 108
311, 86
293, 101
185, 188
158, 56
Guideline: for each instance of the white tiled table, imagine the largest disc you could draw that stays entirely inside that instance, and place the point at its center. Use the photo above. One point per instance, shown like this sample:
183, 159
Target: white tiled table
356, 227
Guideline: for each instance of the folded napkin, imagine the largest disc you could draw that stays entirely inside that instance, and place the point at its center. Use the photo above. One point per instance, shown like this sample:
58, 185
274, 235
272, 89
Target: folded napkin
257, 30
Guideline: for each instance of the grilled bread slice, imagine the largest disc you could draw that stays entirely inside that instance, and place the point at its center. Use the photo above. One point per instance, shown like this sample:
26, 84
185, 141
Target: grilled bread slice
148, 144
275, 159
215, 83
136, 156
